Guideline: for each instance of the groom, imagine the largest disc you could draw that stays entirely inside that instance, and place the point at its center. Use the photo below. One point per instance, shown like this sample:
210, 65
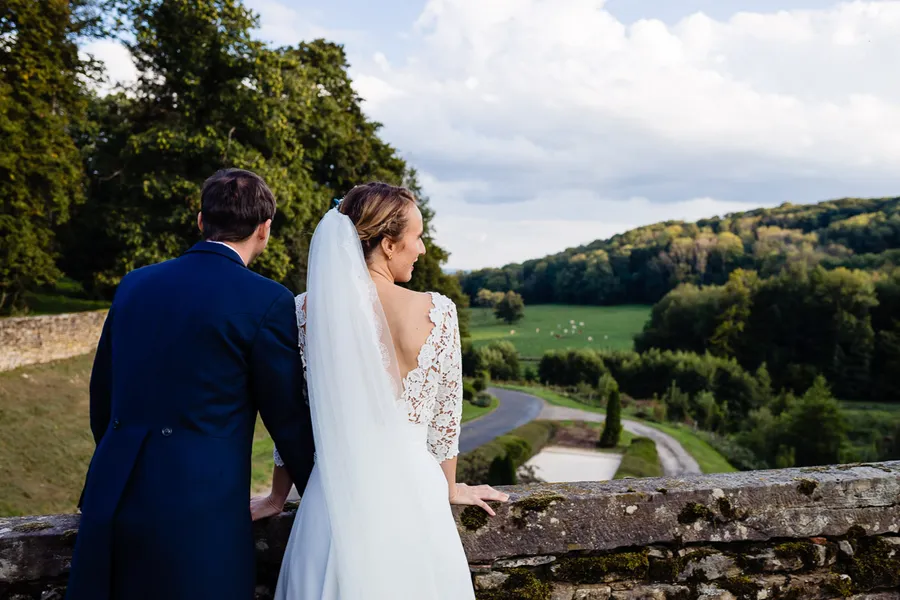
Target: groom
191, 349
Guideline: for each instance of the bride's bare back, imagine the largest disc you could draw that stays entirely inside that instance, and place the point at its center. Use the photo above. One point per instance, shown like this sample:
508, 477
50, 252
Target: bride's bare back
407, 314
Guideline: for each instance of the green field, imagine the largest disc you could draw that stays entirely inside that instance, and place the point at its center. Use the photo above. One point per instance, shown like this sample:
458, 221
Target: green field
549, 327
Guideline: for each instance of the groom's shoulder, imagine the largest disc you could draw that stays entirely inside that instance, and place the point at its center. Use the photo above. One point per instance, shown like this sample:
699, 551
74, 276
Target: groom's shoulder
267, 287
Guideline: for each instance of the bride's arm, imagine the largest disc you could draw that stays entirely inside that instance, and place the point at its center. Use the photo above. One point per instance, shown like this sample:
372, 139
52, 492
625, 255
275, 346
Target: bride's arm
443, 436
267, 506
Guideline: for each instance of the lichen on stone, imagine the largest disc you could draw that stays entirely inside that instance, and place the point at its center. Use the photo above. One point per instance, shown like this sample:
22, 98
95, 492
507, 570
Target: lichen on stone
593, 569
33, 526
473, 518
693, 512
69, 536
522, 584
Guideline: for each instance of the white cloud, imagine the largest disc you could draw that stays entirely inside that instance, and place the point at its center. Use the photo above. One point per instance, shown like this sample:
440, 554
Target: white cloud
521, 110
117, 63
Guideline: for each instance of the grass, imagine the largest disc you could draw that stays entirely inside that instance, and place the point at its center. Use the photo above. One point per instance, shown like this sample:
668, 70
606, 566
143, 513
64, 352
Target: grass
45, 438
472, 412
707, 457
46, 443
640, 460
709, 460
544, 327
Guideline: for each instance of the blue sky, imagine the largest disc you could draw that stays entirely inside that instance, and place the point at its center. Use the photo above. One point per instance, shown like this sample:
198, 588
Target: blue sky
541, 124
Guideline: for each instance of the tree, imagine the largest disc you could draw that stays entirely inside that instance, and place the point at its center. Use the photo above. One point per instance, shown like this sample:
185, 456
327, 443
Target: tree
816, 429
510, 309
42, 102
208, 97
612, 429
487, 298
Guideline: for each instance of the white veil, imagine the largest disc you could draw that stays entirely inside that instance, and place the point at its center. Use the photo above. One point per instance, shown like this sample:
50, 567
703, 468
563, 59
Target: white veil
361, 431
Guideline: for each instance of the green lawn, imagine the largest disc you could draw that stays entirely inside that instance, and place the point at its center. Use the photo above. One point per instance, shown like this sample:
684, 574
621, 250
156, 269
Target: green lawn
549, 327
709, 459
470, 411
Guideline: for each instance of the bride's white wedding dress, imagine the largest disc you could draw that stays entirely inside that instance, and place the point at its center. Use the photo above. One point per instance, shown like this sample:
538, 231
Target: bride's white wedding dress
374, 522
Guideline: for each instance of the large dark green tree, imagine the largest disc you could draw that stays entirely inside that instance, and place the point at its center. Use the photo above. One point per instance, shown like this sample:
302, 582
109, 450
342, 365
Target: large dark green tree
208, 97
42, 101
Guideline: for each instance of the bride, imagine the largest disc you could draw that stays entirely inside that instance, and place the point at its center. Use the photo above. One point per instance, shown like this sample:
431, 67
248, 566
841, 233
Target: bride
384, 377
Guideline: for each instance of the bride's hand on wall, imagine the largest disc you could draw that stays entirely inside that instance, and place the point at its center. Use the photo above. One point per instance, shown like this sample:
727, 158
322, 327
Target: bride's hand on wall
262, 507
476, 495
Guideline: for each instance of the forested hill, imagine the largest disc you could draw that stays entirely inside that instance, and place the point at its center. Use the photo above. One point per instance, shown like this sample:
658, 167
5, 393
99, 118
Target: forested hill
642, 265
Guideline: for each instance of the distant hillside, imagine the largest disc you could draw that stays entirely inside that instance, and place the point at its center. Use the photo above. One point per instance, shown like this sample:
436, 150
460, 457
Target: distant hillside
642, 265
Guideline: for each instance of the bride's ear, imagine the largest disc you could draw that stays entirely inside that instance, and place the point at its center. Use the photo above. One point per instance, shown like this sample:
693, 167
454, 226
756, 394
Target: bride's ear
388, 247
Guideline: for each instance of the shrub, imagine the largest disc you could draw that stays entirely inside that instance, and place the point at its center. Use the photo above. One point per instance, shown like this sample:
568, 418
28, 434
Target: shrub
519, 445
480, 383
469, 390
482, 399
640, 460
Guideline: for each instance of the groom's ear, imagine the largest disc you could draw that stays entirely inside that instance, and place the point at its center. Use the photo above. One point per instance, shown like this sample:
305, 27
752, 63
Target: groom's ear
264, 229
200, 221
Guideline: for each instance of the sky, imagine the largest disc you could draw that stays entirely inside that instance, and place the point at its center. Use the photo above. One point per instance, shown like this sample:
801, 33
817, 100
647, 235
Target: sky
538, 125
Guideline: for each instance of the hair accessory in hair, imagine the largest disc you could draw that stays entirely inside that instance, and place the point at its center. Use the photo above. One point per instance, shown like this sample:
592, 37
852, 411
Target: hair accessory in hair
336, 202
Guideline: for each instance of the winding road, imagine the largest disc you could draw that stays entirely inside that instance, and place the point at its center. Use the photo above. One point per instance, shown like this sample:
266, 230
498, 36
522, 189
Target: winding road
518, 408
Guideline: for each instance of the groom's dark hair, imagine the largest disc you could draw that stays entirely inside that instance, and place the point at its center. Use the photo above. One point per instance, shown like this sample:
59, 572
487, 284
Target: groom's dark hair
234, 202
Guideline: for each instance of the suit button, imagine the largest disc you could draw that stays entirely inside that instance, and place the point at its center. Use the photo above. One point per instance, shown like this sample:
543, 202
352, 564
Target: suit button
115, 423
167, 431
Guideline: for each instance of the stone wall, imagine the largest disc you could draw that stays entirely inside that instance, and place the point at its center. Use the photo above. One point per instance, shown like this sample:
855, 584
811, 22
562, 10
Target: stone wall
31, 340
827, 532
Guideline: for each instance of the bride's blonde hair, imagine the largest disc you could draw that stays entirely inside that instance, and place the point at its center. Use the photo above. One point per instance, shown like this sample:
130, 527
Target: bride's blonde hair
378, 210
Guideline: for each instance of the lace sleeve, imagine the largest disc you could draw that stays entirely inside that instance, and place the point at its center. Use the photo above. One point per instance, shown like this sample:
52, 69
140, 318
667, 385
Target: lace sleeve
443, 430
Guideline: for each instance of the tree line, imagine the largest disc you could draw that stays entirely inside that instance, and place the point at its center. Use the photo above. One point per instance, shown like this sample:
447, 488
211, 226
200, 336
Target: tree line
93, 186
803, 323
644, 264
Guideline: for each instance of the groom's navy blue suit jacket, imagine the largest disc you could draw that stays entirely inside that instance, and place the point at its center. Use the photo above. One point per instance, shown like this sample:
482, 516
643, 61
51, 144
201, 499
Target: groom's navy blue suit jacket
191, 350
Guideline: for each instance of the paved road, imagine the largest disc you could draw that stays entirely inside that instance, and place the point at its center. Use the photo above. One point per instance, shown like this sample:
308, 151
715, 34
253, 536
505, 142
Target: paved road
518, 408
515, 410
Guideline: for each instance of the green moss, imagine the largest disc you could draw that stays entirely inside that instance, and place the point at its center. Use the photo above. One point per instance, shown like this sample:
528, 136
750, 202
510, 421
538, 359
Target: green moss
804, 551
857, 531
33, 526
874, 564
521, 585
291, 506
727, 510
538, 502
662, 491
807, 487
839, 586
593, 569
693, 512
664, 569
473, 518
741, 586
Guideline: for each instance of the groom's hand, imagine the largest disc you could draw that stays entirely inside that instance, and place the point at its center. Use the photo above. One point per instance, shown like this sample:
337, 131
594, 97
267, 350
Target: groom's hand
262, 507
